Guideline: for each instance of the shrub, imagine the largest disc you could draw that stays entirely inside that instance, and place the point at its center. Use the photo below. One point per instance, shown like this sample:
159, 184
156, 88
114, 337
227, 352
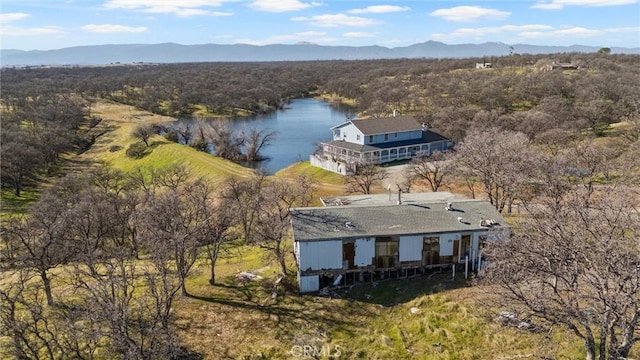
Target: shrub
115, 148
171, 136
200, 145
137, 150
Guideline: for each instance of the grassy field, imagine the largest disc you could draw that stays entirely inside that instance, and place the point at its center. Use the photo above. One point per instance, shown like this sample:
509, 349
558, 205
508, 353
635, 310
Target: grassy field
427, 317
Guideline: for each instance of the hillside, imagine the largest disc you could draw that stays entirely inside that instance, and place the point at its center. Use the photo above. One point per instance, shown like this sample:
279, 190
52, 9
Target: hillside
433, 316
177, 53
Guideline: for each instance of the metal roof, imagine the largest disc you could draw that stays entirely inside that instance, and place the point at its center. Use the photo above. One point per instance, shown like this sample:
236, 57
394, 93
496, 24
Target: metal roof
384, 125
355, 221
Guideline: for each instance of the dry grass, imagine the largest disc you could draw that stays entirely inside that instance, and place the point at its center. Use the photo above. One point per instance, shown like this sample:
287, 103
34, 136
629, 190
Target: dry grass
236, 320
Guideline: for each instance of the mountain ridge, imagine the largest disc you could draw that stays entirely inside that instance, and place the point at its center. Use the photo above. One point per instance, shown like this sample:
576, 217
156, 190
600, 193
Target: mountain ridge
176, 53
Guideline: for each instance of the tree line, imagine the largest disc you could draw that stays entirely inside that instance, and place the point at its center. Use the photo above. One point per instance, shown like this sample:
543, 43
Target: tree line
96, 266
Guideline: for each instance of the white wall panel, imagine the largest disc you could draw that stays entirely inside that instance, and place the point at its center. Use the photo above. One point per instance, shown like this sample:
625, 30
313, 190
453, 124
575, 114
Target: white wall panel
365, 252
411, 248
446, 244
318, 255
309, 283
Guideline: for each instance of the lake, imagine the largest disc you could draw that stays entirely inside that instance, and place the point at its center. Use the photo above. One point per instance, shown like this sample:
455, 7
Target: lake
299, 126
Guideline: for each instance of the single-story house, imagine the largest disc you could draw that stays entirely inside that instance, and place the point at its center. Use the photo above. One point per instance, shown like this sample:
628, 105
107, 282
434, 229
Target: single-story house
387, 237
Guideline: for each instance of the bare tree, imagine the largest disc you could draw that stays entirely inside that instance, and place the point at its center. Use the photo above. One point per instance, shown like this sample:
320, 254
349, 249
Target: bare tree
185, 130
218, 231
432, 169
174, 222
24, 319
43, 238
255, 140
226, 143
575, 263
132, 304
500, 160
143, 132
272, 224
365, 176
244, 195
20, 161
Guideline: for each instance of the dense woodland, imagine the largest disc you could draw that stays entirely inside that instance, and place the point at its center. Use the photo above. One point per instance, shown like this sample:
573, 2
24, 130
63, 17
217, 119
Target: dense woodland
529, 139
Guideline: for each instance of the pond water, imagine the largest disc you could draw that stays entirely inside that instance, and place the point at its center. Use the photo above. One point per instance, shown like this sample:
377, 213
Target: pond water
299, 127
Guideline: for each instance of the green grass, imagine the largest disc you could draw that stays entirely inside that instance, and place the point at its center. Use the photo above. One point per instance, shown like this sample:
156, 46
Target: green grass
370, 321
16, 205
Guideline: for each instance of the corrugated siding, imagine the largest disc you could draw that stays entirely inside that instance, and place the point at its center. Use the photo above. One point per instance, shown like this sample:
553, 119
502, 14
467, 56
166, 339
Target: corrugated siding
411, 248
365, 252
318, 255
309, 283
446, 244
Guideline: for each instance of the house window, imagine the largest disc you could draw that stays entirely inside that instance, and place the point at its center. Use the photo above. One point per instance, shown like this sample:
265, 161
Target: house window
370, 139
431, 250
386, 137
357, 137
344, 135
395, 135
386, 252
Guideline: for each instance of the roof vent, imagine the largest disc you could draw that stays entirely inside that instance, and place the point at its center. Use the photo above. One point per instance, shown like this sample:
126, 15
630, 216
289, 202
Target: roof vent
449, 207
459, 218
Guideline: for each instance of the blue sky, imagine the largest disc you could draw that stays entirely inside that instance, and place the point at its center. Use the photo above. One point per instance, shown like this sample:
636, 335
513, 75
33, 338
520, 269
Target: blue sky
54, 24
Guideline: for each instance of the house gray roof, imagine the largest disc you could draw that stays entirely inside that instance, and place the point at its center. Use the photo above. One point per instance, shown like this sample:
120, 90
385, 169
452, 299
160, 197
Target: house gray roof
354, 221
385, 125
428, 136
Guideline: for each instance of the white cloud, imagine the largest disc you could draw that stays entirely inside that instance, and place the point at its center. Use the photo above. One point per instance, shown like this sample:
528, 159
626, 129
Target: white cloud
576, 31
110, 29
470, 13
10, 17
358, 34
281, 5
532, 31
18, 31
559, 4
379, 9
181, 8
337, 20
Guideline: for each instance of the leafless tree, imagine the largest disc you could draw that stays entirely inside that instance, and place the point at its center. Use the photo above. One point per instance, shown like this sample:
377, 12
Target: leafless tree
577, 264
433, 169
255, 140
174, 222
132, 305
272, 224
500, 160
24, 320
218, 231
43, 238
365, 176
185, 130
244, 195
143, 132
226, 143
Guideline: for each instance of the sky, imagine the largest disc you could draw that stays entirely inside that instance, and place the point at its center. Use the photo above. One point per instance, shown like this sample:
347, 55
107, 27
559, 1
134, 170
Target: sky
55, 24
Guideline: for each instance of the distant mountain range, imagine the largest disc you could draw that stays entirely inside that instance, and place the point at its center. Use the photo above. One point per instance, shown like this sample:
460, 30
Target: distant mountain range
176, 53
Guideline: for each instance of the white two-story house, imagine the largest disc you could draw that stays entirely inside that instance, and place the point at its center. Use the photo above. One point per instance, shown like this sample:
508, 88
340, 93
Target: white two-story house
376, 140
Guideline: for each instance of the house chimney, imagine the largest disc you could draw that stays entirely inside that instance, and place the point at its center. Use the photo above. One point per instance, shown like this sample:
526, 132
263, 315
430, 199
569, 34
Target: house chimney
395, 112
